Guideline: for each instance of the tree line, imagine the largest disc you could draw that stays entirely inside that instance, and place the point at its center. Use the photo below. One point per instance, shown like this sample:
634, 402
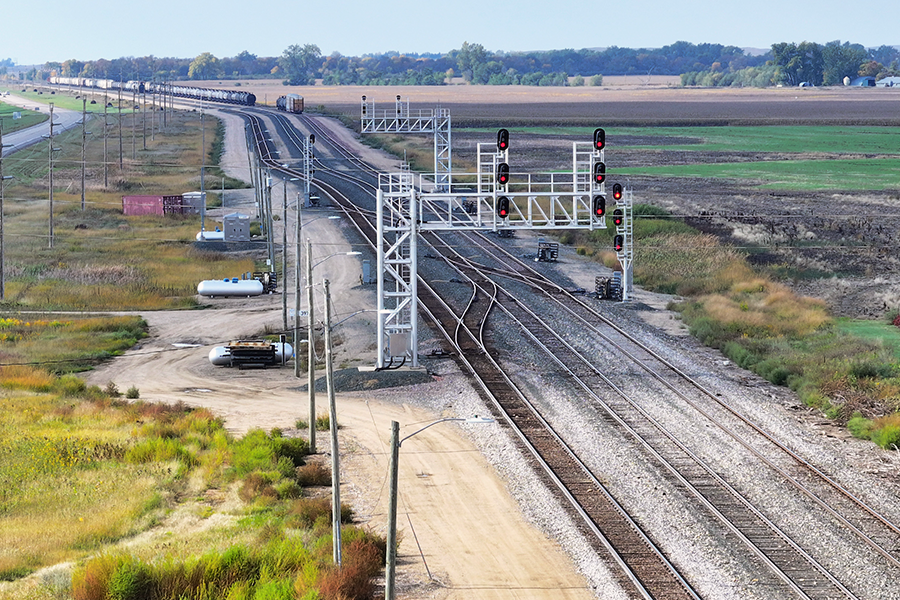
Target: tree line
698, 64
807, 63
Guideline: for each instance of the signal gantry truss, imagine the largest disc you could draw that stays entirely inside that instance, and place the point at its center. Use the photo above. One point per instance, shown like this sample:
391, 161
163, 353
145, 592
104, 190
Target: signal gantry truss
405, 120
494, 200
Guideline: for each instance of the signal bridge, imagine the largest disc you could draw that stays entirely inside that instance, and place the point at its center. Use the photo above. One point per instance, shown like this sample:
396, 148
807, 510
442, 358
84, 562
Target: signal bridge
404, 120
493, 199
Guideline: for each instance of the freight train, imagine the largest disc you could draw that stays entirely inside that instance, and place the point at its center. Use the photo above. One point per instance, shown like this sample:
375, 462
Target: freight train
152, 87
290, 103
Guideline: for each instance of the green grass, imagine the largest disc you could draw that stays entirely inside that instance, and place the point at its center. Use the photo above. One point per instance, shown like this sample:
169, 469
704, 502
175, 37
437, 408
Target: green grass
807, 174
839, 167
875, 331
67, 344
66, 98
28, 118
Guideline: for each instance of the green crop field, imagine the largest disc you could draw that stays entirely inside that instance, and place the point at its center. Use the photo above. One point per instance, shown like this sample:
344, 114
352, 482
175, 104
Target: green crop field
851, 174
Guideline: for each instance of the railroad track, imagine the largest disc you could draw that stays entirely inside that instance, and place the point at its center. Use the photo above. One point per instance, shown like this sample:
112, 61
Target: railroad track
614, 531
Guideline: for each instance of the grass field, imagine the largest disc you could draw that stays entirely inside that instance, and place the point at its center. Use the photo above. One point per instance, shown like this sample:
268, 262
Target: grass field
100, 259
806, 174
28, 118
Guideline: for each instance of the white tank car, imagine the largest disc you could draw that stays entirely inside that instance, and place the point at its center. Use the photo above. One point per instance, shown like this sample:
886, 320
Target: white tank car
220, 356
230, 287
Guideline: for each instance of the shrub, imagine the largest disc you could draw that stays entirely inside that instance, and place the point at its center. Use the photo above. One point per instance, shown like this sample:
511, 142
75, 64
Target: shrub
304, 512
90, 581
130, 581
288, 488
112, 390
295, 449
259, 485
860, 427
888, 437
313, 474
133, 393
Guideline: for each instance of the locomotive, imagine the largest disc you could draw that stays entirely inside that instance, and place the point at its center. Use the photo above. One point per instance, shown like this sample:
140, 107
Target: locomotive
152, 87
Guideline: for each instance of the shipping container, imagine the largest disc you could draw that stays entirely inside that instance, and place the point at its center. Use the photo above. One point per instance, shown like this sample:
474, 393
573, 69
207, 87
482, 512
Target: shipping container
150, 205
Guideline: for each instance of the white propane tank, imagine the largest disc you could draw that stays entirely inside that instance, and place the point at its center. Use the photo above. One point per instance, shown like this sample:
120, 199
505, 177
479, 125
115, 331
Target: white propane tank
230, 287
211, 235
285, 350
220, 356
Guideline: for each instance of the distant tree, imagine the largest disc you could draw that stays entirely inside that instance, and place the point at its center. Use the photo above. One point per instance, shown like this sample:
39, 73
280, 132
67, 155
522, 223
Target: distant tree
842, 60
205, 66
870, 68
885, 54
469, 59
597, 80
797, 63
71, 68
578, 81
300, 63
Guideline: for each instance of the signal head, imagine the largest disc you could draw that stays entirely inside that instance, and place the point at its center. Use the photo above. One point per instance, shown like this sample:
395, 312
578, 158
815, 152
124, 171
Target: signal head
599, 139
599, 173
502, 207
599, 205
617, 191
502, 140
619, 243
502, 174
618, 217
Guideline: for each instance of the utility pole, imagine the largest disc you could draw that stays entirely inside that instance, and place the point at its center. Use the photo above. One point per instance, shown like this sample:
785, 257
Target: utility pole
133, 116
83, 144
284, 257
202, 165
50, 165
297, 308
3, 178
311, 347
121, 163
144, 117
391, 549
105, 141
332, 423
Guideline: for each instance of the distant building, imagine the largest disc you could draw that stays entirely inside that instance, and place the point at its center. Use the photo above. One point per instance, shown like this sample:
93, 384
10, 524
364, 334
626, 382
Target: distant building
888, 82
863, 82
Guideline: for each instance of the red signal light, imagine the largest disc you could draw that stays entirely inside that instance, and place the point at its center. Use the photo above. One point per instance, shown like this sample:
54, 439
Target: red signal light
599, 139
599, 173
617, 191
599, 206
618, 217
502, 140
619, 243
502, 174
502, 207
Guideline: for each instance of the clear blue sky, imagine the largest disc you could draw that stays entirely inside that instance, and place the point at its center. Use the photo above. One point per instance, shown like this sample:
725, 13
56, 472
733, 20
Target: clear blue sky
49, 30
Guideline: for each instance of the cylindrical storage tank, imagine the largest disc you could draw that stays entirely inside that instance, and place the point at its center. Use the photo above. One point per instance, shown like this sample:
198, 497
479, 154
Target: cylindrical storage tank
211, 235
230, 287
220, 356
285, 350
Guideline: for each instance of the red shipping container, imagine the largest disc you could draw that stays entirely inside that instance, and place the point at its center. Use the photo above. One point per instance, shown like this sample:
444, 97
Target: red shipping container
150, 205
